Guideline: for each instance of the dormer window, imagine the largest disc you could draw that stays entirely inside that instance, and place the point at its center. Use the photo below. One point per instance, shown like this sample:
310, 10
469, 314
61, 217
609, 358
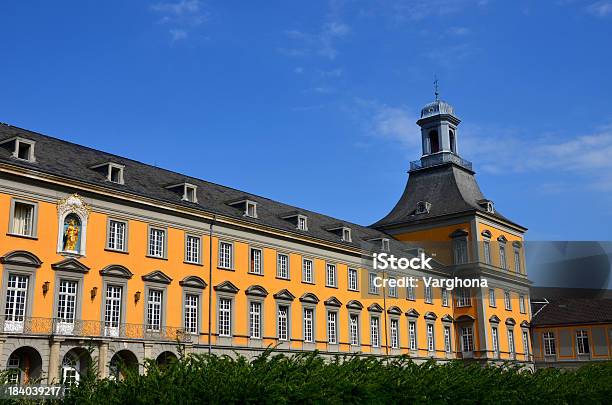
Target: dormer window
343, 231
248, 206
302, 223
385, 244
299, 220
423, 207
346, 234
115, 174
112, 171
188, 191
22, 148
487, 205
251, 209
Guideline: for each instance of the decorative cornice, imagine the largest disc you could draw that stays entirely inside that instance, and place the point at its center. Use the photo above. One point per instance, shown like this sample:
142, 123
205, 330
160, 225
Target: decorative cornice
375, 308
21, 258
256, 291
332, 302
284, 295
193, 282
354, 304
157, 276
309, 298
72, 265
116, 270
226, 287
394, 311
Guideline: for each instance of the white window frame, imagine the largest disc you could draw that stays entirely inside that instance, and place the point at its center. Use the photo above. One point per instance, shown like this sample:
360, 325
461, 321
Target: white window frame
113, 309
392, 290
549, 343
444, 295
430, 338
67, 297
492, 301
486, 247
582, 342
226, 255
282, 323
410, 293
354, 329
507, 300
256, 261
353, 279
308, 315
250, 209
522, 307
412, 335
511, 344
503, 260
460, 250
428, 294
332, 327
464, 298
192, 313
154, 310
255, 319
374, 331
447, 340
394, 327
467, 339
495, 340
16, 302
193, 251
526, 344
155, 242
307, 271
372, 289
282, 266
224, 316
29, 226
517, 260
302, 223
331, 279
116, 238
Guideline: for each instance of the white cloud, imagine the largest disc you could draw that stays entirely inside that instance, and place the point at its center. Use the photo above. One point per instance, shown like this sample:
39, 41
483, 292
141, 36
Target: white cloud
419, 10
322, 43
392, 123
600, 8
182, 16
458, 31
178, 34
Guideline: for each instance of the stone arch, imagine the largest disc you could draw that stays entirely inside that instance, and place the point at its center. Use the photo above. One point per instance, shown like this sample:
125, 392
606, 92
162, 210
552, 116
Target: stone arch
123, 362
75, 364
26, 365
165, 358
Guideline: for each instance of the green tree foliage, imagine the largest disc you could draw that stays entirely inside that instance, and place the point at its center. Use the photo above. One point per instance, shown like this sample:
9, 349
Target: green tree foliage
309, 378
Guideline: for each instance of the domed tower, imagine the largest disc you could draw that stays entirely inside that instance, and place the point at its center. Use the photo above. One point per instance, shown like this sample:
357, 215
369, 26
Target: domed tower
443, 211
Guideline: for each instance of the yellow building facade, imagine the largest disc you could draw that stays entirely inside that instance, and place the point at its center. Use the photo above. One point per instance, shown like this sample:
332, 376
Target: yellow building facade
109, 259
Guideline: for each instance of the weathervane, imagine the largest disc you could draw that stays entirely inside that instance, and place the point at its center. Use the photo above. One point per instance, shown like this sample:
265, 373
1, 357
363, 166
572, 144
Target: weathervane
437, 92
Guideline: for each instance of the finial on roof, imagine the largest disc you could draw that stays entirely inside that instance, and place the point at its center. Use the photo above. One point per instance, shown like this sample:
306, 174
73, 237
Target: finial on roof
437, 91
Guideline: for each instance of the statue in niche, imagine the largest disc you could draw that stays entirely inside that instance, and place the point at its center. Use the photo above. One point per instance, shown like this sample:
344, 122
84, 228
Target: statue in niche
72, 231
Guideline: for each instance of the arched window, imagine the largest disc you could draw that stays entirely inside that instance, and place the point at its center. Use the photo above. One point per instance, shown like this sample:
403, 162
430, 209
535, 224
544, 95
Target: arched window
434, 142
453, 144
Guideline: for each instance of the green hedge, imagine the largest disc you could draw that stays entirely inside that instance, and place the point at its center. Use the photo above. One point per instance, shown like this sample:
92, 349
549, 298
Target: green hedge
274, 378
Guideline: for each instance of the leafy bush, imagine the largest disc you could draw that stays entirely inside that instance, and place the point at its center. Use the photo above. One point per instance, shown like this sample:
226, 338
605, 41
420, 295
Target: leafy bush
309, 378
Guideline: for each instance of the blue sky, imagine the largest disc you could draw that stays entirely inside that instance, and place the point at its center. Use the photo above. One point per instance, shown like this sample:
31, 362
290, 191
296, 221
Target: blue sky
314, 103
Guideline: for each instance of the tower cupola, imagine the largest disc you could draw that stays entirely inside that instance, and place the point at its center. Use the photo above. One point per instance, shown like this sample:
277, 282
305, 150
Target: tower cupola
438, 124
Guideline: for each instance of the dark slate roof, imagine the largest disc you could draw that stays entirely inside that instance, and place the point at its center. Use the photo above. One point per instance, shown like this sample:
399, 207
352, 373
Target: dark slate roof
563, 311
450, 189
69, 160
